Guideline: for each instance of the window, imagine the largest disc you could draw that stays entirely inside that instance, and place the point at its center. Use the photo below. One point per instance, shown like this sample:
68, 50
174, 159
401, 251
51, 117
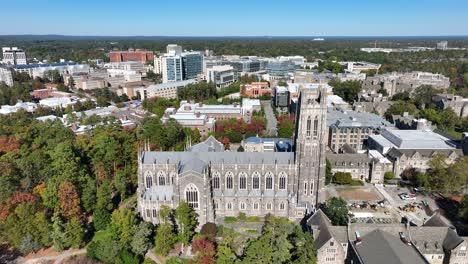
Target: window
148, 213
216, 181
242, 206
269, 181
161, 178
268, 206
255, 206
305, 188
173, 175
282, 181
256, 181
316, 126
332, 244
155, 213
216, 205
282, 206
229, 180
149, 179
309, 124
312, 188
242, 181
331, 250
229, 206
191, 196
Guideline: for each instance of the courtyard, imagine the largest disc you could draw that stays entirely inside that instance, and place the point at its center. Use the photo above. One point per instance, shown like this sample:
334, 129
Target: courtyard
358, 193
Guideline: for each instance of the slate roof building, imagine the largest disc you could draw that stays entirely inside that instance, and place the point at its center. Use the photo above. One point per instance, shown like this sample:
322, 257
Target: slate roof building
218, 183
434, 242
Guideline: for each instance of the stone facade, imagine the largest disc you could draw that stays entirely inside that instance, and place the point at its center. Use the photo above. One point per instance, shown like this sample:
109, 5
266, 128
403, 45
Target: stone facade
218, 183
404, 159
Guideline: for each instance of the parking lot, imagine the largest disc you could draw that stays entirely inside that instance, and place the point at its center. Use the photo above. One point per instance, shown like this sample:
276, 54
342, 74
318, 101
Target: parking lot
414, 208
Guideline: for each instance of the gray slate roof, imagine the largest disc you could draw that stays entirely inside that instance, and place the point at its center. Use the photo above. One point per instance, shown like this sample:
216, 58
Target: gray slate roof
396, 153
381, 247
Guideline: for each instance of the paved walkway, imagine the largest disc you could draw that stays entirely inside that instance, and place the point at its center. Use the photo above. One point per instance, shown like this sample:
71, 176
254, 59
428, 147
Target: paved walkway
57, 259
272, 123
150, 254
385, 194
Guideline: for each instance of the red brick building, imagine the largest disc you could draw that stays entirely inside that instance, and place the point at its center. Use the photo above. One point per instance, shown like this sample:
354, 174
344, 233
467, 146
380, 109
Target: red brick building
255, 89
131, 55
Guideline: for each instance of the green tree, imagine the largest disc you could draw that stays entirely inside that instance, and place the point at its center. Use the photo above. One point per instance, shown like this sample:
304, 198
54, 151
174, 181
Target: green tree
102, 215
141, 240
58, 233
337, 211
463, 209
186, 219
122, 226
348, 90
304, 250
165, 239
225, 255
399, 108
104, 249
127, 257
423, 94
74, 233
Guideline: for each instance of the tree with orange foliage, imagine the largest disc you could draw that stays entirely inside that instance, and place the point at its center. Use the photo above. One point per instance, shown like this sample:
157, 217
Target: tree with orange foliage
8, 143
69, 200
205, 250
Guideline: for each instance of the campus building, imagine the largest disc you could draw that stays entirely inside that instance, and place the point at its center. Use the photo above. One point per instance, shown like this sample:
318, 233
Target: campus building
218, 183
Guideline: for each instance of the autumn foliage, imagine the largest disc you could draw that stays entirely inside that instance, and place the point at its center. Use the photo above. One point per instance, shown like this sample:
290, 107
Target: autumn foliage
8, 143
205, 251
69, 200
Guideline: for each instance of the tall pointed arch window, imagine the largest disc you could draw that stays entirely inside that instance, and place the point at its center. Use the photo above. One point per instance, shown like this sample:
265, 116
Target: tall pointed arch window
161, 178
282, 181
229, 180
308, 126
216, 181
256, 181
242, 181
316, 126
148, 179
191, 196
269, 181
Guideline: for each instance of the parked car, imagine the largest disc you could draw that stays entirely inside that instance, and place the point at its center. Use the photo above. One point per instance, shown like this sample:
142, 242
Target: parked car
407, 197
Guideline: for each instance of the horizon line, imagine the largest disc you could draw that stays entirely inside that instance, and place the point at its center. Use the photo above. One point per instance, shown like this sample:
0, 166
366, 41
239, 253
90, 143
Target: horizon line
239, 36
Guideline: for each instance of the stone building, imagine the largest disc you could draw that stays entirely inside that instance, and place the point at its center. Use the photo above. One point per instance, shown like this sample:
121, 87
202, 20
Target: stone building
457, 103
331, 242
218, 183
435, 242
352, 128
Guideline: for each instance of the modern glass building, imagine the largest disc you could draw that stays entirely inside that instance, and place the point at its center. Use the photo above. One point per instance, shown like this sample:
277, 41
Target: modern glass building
281, 68
192, 63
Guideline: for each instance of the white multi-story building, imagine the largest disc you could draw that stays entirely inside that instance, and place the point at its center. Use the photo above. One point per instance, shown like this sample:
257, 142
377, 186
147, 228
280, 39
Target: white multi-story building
172, 68
222, 75
6, 76
14, 56
158, 65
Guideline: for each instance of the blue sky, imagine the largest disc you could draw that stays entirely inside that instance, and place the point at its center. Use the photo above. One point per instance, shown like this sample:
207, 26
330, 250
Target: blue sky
236, 17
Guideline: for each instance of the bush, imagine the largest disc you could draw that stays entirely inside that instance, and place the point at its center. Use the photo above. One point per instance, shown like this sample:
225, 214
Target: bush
230, 220
342, 178
251, 231
389, 176
357, 183
253, 219
209, 230
242, 216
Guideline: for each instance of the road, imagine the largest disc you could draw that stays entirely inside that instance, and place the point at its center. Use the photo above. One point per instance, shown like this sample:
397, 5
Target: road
56, 259
272, 123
